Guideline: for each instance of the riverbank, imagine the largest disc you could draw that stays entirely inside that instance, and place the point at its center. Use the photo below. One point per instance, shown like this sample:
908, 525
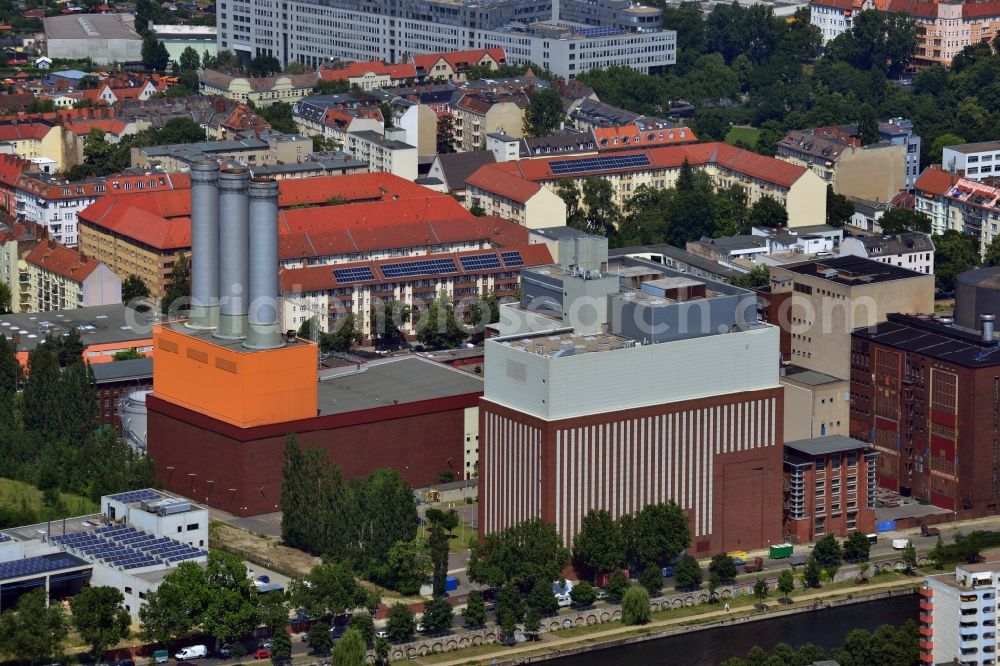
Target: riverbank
585, 639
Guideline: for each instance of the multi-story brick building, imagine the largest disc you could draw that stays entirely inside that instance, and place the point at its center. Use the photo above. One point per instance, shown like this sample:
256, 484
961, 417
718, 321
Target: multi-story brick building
116, 381
958, 616
829, 488
926, 393
798, 189
577, 414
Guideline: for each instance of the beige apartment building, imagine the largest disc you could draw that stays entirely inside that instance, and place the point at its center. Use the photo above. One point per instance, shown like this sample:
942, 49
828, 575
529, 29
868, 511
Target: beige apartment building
816, 404
477, 115
262, 91
272, 148
832, 297
59, 278
513, 198
947, 27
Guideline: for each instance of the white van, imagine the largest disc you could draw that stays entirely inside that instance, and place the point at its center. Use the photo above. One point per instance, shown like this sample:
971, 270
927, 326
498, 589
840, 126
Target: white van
191, 652
900, 544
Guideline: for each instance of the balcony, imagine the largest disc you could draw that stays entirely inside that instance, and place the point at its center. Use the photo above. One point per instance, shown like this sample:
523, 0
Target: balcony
927, 632
926, 605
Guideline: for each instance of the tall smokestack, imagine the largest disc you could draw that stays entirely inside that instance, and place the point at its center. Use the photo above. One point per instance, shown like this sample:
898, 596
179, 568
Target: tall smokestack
234, 254
987, 320
264, 331
204, 313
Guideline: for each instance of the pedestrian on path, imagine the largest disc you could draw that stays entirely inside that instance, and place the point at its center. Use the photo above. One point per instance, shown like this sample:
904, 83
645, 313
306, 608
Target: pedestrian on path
727, 606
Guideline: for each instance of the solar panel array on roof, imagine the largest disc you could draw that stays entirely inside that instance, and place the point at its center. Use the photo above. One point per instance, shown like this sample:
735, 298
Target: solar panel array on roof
357, 274
602, 31
512, 258
603, 163
34, 565
479, 262
127, 547
137, 496
423, 267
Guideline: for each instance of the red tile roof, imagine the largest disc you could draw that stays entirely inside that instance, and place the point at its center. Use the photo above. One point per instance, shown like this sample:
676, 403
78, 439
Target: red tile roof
985, 9
920, 8
15, 131
11, 167
844, 5
83, 127
62, 261
497, 179
458, 59
623, 137
322, 278
359, 69
934, 180
152, 184
746, 162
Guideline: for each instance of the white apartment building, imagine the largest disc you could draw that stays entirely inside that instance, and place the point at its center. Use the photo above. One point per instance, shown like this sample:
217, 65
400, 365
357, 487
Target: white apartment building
962, 204
834, 17
975, 161
912, 250
384, 153
312, 32
958, 616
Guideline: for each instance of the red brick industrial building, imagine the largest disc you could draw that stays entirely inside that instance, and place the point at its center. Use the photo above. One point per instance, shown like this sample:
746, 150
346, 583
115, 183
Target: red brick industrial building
927, 395
829, 488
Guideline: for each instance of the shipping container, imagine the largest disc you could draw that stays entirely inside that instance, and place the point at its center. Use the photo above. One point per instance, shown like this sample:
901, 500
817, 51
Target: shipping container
781, 550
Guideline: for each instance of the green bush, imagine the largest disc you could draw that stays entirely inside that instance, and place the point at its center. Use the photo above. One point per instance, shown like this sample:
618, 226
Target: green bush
635, 606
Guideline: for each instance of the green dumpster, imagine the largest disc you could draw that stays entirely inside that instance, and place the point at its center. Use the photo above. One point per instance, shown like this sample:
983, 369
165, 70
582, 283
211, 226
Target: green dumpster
781, 550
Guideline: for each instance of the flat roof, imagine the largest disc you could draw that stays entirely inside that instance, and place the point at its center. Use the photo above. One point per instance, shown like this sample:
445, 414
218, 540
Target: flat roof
139, 368
981, 147
371, 136
820, 446
808, 377
89, 26
97, 325
40, 565
392, 381
851, 271
928, 336
554, 344
555, 233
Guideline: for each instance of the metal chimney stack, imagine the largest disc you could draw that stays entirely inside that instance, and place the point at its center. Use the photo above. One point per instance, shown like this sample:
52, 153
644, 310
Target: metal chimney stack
204, 312
987, 322
234, 254
264, 331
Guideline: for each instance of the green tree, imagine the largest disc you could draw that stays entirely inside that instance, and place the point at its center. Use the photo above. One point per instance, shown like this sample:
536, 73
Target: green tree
532, 622
407, 567
955, 253
382, 648
757, 277
264, 65
602, 213
856, 546
474, 614
839, 209
714, 583
350, 650
99, 616
810, 574
387, 317
786, 583
617, 585
401, 624
279, 115
438, 542
33, 632
687, 573
344, 336
652, 579
657, 535
521, 554
635, 606
723, 565
154, 54
331, 590
541, 597
180, 130
390, 515
768, 213
909, 558
939, 144
868, 125
827, 552
760, 590
902, 220
543, 113
166, 615
130, 354
281, 645
485, 310
133, 287
711, 124
570, 194
445, 135
509, 608
992, 256
364, 624
439, 328
189, 59
583, 594
877, 40
437, 614
4, 298
319, 639
178, 289
599, 545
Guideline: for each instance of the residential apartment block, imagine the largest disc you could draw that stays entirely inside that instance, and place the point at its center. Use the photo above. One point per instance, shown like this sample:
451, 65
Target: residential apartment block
262, 91
50, 144
958, 616
566, 37
912, 250
875, 172
926, 393
386, 152
58, 278
370, 75
947, 27
835, 17
575, 415
270, 148
834, 296
963, 204
974, 161
796, 188
829, 488
478, 114
453, 65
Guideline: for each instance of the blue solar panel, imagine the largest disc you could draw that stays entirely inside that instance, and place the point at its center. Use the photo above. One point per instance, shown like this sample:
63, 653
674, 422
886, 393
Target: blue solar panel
422, 267
601, 163
137, 496
35, 565
602, 31
479, 262
357, 274
512, 258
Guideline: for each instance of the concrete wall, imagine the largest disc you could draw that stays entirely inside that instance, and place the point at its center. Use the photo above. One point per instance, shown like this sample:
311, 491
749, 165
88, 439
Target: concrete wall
101, 51
875, 173
812, 411
806, 201
102, 287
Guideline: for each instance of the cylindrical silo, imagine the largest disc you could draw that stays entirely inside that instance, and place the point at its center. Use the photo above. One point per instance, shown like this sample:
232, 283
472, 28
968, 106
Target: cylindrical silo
234, 254
264, 331
204, 312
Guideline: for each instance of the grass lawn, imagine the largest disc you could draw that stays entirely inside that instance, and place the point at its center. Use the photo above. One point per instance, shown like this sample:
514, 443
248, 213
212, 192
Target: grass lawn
17, 495
748, 135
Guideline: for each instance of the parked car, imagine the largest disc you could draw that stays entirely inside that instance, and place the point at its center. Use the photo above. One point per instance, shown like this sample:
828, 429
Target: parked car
900, 544
667, 572
262, 653
225, 651
601, 595
191, 652
124, 662
381, 633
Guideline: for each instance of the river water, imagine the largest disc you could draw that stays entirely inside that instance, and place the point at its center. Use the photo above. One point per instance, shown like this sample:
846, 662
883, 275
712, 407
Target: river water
826, 628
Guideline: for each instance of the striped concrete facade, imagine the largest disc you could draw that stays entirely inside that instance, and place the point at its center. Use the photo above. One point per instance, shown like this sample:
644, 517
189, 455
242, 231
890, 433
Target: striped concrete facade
719, 458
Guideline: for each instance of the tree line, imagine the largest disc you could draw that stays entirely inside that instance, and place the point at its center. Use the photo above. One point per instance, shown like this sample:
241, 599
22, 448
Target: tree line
48, 426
